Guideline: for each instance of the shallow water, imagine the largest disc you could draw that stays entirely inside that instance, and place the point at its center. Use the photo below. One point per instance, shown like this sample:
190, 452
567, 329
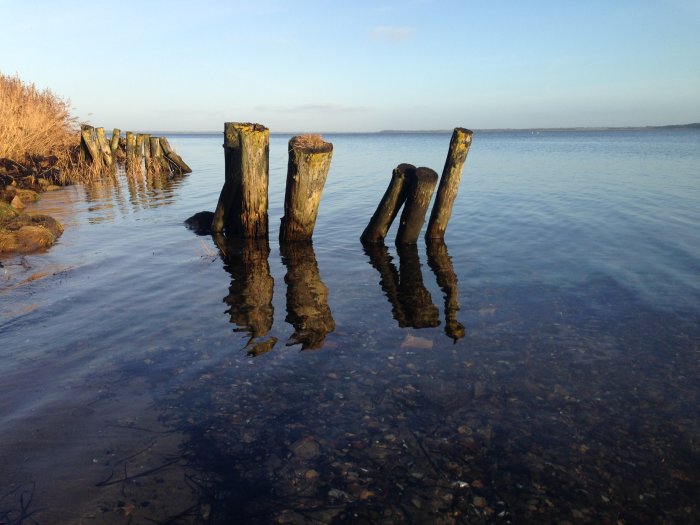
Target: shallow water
542, 366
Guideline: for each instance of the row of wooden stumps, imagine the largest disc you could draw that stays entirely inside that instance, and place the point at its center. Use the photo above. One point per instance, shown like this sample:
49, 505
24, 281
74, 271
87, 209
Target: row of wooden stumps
413, 189
243, 203
135, 150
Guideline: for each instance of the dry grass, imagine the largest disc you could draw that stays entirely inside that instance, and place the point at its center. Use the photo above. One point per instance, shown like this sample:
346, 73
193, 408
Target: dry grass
35, 122
307, 142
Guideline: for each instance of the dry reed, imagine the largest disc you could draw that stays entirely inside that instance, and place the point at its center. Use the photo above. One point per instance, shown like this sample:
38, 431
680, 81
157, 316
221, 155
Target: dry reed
35, 122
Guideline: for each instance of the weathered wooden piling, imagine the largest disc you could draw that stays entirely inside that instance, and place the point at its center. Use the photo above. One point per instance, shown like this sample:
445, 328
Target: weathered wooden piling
131, 160
114, 142
173, 157
140, 146
158, 163
307, 296
441, 264
449, 183
103, 146
90, 150
389, 206
307, 170
242, 206
418, 194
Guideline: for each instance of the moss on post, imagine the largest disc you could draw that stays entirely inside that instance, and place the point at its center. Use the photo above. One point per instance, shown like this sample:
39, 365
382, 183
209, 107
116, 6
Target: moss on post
389, 206
449, 183
418, 194
307, 170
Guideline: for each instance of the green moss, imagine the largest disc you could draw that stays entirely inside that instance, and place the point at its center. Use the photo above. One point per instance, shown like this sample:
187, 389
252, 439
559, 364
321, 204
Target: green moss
7, 213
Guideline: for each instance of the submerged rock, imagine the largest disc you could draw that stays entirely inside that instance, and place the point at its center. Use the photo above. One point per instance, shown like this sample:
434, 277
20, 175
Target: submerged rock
24, 233
200, 222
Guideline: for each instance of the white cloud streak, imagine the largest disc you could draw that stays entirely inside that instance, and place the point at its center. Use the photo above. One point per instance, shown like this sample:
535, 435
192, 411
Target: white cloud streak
392, 33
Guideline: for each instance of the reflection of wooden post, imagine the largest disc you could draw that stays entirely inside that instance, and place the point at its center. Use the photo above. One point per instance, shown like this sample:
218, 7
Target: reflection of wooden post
173, 157
114, 142
103, 146
251, 289
418, 195
413, 295
307, 297
441, 264
309, 162
389, 206
449, 183
380, 259
242, 206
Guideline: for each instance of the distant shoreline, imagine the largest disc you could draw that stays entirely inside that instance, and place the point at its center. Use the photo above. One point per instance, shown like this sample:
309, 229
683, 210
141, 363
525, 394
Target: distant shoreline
695, 125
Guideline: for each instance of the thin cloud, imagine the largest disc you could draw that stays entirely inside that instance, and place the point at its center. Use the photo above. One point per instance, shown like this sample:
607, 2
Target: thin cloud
312, 108
392, 33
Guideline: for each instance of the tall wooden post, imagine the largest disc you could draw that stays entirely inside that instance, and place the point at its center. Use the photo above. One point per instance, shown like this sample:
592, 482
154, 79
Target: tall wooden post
90, 147
389, 206
158, 163
420, 191
114, 142
130, 151
441, 264
449, 183
242, 206
103, 146
307, 170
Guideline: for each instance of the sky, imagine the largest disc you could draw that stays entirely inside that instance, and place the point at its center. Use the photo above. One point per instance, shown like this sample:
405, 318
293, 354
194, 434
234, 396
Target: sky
298, 65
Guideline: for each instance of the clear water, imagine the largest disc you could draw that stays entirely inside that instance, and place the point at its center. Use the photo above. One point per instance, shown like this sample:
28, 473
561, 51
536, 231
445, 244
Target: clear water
541, 367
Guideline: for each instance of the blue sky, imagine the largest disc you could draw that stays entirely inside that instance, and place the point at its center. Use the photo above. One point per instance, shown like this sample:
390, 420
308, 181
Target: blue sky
298, 65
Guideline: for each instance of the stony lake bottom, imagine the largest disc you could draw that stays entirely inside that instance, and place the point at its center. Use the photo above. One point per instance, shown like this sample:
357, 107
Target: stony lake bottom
541, 366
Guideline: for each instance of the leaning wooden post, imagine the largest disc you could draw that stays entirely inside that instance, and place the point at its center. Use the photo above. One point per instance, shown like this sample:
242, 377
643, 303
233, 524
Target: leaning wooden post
449, 183
89, 145
173, 157
389, 206
103, 146
307, 170
420, 191
114, 142
242, 206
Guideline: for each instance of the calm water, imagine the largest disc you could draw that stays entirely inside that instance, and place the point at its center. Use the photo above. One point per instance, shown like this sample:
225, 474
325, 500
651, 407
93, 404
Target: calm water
541, 367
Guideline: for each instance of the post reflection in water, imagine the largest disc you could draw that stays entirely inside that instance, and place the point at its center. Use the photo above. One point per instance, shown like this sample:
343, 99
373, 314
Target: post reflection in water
411, 302
441, 263
250, 292
307, 296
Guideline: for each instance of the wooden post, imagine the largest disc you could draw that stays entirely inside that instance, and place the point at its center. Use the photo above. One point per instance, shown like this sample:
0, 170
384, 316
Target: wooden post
147, 153
89, 146
389, 206
139, 147
103, 146
242, 206
415, 299
114, 142
441, 264
251, 289
173, 157
449, 183
307, 170
158, 163
130, 151
307, 296
418, 194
